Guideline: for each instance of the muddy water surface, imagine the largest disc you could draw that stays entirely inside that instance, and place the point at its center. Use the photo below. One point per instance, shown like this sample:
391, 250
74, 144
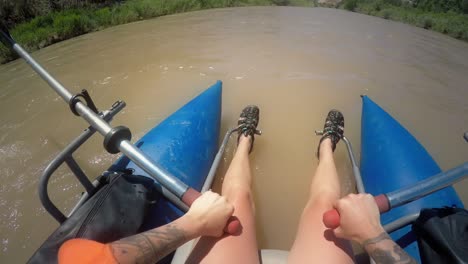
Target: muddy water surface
295, 63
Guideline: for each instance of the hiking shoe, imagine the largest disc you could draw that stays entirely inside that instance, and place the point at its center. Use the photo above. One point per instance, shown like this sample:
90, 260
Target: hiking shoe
333, 128
247, 124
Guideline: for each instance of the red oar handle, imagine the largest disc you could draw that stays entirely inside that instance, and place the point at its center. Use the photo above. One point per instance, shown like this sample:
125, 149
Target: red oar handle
331, 218
233, 225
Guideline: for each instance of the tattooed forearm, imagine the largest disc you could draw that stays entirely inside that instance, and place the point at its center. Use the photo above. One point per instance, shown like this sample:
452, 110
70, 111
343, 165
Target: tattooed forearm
150, 246
385, 251
397, 255
377, 239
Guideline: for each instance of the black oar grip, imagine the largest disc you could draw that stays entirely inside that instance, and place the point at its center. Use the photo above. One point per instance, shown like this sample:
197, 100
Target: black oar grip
5, 36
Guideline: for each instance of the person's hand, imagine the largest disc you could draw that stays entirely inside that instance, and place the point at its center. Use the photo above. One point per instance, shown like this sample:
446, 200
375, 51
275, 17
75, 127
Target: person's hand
359, 218
210, 213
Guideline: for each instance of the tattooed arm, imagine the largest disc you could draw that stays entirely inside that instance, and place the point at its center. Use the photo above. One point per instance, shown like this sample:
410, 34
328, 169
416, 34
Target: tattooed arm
384, 250
207, 217
360, 221
153, 245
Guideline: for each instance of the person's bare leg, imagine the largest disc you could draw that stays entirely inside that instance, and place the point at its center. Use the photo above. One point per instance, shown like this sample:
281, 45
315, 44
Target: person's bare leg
240, 248
314, 243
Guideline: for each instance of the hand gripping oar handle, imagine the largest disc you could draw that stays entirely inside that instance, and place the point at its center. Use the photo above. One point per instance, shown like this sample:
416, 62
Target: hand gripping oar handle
390, 200
331, 218
233, 225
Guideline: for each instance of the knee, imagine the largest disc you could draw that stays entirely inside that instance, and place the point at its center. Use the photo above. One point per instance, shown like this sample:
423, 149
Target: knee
322, 200
239, 196
242, 195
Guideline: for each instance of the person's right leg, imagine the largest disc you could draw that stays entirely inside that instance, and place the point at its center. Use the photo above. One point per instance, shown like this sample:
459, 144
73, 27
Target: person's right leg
314, 243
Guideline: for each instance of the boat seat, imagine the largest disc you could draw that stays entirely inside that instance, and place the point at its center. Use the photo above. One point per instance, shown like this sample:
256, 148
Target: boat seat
274, 256
268, 256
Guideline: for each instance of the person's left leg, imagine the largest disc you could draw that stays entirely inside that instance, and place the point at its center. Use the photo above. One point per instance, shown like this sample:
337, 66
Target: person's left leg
242, 247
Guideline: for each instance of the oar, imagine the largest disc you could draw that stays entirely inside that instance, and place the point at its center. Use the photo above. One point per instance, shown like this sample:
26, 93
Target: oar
390, 200
116, 139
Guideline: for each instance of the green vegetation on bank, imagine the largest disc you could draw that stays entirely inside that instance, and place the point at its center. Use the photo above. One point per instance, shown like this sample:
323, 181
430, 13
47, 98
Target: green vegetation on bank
72, 20
446, 16
39, 23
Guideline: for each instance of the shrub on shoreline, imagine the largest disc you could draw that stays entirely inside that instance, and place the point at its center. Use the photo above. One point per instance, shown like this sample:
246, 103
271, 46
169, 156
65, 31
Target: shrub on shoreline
422, 13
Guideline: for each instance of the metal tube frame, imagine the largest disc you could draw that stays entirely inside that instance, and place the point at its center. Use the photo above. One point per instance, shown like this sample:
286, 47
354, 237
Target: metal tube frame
401, 222
356, 172
214, 167
52, 167
66, 155
79, 173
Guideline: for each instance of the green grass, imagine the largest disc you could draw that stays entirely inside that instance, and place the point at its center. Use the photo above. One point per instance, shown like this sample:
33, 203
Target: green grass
57, 26
454, 24
303, 3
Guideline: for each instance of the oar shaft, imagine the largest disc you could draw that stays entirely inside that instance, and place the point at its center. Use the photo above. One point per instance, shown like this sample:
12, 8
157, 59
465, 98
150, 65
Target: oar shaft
385, 202
173, 184
170, 182
427, 186
57, 86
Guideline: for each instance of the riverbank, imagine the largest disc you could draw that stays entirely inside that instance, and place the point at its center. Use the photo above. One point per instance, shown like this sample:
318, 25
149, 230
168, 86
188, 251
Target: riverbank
447, 17
53, 27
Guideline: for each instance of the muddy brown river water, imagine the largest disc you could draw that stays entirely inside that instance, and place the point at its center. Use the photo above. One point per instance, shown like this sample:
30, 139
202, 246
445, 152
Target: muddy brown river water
295, 63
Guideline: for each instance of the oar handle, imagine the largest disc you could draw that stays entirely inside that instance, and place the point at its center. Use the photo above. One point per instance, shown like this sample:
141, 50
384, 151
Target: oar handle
331, 218
233, 225
5, 36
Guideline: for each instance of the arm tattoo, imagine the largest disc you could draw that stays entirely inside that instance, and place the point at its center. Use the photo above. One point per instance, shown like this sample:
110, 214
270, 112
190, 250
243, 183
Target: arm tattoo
388, 253
150, 246
377, 239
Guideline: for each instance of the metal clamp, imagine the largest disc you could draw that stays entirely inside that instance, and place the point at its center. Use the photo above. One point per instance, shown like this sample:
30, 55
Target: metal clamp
76, 98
